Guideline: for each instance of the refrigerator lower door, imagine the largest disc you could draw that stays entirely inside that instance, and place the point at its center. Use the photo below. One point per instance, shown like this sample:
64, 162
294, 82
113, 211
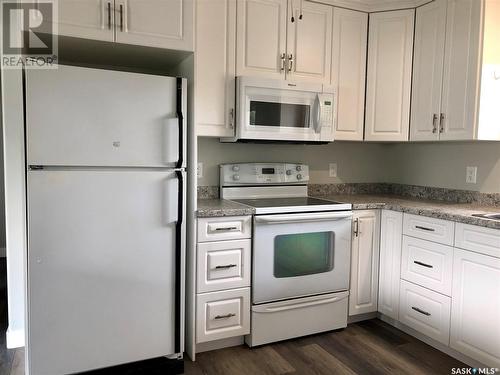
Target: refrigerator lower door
101, 268
78, 116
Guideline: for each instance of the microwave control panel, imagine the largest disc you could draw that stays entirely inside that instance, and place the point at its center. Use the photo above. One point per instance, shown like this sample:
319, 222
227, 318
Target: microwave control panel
326, 109
263, 174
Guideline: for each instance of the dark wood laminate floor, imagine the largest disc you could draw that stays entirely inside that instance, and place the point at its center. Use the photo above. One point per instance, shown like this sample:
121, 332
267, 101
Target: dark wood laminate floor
371, 347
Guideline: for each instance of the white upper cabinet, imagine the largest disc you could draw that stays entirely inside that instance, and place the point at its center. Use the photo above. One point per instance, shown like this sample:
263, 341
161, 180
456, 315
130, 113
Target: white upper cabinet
350, 32
215, 55
261, 38
364, 262
390, 50
309, 42
155, 23
90, 19
271, 45
430, 27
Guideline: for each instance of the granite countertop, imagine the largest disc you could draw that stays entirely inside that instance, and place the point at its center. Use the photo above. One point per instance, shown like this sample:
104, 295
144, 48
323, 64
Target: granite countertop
458, 212
222, 207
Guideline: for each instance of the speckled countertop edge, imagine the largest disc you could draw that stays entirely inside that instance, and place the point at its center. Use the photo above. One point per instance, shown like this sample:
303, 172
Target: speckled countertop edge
457, 212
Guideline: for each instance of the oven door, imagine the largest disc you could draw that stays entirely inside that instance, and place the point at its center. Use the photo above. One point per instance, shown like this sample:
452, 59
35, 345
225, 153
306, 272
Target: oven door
284, 111
296, 255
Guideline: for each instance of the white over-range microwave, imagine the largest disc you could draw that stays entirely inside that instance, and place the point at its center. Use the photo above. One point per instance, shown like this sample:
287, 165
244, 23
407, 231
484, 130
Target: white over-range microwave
283, 111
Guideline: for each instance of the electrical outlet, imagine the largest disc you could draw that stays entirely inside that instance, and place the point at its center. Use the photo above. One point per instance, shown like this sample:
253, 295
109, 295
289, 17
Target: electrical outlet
471, 175
199, 170
333, 169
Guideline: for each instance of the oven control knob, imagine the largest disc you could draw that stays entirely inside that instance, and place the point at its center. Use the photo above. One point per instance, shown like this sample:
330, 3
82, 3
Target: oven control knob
288, 172
236, 168
299, 177
298, 168
236, 177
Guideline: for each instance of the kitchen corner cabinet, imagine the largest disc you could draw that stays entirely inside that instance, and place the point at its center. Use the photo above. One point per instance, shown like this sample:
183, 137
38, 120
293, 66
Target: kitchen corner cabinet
154, 23
350, 32
391, 232
214, 68
364, 262
390, 50
270, 45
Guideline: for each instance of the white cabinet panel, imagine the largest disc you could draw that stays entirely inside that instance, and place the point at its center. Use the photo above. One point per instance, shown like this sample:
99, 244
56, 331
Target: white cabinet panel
215, 64
390, 50
461, 69
364, 262
430, 27
90, 19
427, 264
428, 228
224, 228
261, 37
309, 42
479, 239
475, 313
391, 233
425, 311
155, 23
350, 33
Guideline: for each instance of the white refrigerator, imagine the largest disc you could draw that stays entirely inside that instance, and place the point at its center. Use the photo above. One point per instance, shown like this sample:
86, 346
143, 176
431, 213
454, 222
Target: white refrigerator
105, 155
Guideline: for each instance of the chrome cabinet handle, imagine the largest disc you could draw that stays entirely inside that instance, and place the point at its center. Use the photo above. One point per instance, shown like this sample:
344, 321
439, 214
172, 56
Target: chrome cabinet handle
226, 228
421, 311
225, 266
425, 228
231, 118
227, 316
290, 61
441, 123
283, 56
356, 227
109, 15
423, 264
434, 121
121, 17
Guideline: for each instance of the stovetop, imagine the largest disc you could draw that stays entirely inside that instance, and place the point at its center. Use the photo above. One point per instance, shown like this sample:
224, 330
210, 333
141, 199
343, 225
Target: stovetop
293, 204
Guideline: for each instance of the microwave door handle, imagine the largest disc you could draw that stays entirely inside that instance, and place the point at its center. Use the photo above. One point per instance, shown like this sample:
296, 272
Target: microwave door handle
317, 115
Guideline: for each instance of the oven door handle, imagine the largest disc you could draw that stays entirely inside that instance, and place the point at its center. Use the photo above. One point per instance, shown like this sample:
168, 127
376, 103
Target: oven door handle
263, 309
294, 218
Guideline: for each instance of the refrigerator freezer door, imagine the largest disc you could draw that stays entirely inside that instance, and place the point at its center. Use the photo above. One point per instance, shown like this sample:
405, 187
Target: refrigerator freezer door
101, 264
79, 116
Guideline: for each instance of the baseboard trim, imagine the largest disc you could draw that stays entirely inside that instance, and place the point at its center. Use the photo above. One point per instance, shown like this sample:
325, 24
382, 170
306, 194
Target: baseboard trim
15, 338
219, 344
435, 344
3, 252
359, 318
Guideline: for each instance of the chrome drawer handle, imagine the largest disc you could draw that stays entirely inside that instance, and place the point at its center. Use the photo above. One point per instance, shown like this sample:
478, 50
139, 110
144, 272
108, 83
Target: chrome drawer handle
423, 264
425, 228
225, 266
421, 311
227, 316
226, 228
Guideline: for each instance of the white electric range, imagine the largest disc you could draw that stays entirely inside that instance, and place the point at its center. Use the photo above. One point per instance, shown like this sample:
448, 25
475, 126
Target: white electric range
300, 251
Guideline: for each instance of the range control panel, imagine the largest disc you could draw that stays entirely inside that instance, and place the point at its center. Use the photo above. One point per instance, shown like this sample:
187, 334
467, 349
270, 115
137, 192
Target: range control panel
263, 174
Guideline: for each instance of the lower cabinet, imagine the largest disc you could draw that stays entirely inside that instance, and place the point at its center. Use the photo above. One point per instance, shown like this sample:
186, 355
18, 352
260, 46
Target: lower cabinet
391, 224
475, 313
364, 262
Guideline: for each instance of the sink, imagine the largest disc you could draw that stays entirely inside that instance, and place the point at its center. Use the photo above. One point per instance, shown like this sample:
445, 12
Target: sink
492, 216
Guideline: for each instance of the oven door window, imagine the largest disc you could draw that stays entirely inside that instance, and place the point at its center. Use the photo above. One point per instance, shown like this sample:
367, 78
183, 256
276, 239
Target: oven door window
302, 254
288, 115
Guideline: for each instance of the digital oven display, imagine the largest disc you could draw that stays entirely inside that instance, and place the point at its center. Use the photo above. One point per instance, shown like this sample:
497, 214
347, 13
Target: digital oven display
268, 171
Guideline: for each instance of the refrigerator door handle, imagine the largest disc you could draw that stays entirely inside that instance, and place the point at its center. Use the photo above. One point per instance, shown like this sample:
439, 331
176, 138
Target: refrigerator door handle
178, 259
180, 117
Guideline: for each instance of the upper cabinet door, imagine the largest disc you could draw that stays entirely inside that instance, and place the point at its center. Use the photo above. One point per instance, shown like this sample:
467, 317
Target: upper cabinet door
430, 27
155, 23
215, 54
461, 70
350, 31
309, 42
261, 38
390, 50
89, 19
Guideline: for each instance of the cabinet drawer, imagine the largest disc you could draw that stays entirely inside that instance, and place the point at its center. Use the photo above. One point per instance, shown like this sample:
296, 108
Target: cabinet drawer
427, 264
224, 228
425, 311
221, 315
478, 239
427, 228
223, 265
